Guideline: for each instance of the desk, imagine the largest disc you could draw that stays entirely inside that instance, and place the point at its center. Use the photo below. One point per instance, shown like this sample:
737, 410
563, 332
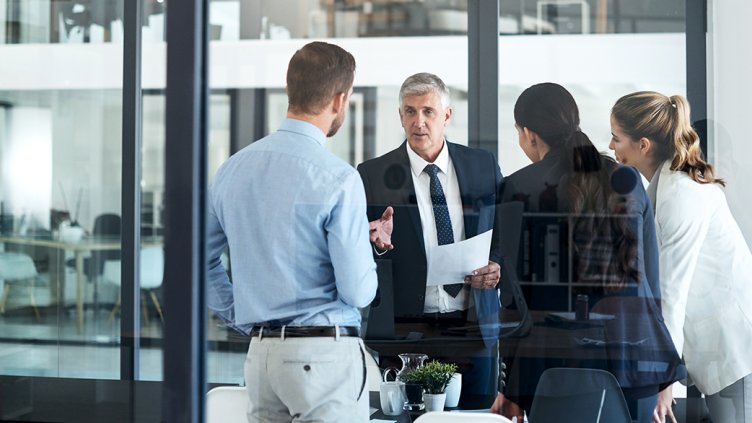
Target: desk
563, 339
114, 401
87, 244
465, 347
433, 341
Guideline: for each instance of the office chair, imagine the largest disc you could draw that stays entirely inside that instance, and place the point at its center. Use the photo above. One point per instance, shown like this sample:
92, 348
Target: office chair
578, 395
107, 225
18, 270
227, 404
460, 417
151, 275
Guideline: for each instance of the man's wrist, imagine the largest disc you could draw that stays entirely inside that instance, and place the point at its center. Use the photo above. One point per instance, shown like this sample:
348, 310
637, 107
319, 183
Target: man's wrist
377, 251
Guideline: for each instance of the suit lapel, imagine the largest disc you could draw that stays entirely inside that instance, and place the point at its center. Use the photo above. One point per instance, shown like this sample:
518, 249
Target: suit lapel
409, 198
461, 167
486, 301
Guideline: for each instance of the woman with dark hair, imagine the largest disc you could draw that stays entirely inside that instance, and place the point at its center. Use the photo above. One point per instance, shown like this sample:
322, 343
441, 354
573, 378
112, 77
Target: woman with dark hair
613, 251
706, 266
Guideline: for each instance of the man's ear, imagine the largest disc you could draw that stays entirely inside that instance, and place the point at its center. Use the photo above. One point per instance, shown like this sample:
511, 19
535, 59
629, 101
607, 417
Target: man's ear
338, 102
447, 116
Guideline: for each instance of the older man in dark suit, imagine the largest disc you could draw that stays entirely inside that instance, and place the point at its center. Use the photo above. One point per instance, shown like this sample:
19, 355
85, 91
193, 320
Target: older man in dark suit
433, 192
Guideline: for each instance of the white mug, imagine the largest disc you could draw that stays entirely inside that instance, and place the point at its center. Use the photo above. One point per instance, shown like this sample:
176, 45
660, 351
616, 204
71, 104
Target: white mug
392, 396
453, 391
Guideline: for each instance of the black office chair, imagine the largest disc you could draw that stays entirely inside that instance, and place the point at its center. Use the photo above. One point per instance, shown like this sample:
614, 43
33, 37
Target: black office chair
578, 395
106, 225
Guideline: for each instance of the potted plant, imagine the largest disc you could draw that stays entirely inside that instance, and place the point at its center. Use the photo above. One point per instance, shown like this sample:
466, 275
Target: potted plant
434, 376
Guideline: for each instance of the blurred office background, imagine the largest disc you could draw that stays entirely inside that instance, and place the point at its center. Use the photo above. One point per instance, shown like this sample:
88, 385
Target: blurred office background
61, 108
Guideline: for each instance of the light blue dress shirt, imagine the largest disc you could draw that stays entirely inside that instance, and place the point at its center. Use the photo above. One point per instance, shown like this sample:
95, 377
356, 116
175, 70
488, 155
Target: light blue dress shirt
294, 217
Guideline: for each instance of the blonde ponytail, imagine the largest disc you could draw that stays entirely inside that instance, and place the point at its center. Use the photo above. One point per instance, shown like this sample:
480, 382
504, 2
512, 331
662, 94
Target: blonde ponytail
688, 154
665, 121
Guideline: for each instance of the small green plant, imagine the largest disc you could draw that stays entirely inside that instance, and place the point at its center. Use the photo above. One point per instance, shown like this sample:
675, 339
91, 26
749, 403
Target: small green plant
434, 376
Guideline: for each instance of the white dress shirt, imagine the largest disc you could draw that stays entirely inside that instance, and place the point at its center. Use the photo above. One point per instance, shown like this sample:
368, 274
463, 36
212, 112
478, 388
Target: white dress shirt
438, 300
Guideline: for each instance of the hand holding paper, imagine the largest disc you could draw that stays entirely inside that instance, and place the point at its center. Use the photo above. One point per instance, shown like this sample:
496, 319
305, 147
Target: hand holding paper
486, 277
450, 263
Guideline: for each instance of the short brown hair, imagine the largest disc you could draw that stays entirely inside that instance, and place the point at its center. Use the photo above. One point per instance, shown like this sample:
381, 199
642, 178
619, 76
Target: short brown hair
316, 73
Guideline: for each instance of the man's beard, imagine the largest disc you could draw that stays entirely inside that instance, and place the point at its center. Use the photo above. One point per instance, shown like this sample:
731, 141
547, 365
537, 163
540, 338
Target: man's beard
336, 124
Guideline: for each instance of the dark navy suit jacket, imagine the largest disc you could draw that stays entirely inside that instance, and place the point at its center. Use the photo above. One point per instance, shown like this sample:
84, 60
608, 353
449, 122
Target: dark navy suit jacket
388, 182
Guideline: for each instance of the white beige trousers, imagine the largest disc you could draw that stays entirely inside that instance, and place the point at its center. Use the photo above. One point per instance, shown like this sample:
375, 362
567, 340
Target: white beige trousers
306, 380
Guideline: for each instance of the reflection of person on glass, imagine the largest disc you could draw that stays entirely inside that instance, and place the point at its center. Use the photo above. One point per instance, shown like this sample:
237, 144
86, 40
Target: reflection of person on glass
614, 256
435, 192
706, 266
293, 216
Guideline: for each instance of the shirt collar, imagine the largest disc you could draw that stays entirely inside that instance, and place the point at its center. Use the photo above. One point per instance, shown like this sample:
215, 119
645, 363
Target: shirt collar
418, 164
304, 128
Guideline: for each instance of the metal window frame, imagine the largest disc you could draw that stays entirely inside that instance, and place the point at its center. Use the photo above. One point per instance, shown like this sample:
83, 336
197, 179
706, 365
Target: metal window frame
483, 75
185, 190
130, 334
696, 28
185, 350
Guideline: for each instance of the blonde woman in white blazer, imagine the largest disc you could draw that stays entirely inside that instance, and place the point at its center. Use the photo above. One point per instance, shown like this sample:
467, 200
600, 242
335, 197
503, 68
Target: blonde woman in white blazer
705, 264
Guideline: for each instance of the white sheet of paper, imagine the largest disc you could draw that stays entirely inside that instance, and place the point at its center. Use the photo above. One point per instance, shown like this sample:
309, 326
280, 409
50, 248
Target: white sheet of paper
450, 263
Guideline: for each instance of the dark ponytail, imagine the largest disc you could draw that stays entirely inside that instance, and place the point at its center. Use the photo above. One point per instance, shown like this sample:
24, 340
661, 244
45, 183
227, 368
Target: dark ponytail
605, 250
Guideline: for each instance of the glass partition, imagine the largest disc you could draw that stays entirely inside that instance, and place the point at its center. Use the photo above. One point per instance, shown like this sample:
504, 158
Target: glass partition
598, 50
61, 108
419, 36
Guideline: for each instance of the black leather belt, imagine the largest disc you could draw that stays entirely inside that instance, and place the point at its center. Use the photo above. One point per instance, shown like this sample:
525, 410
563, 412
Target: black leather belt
304, 331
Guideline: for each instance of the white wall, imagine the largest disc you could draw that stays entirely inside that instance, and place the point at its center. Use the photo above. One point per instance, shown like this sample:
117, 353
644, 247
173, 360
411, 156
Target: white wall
730, 91
86, 152
27, 166
580, 59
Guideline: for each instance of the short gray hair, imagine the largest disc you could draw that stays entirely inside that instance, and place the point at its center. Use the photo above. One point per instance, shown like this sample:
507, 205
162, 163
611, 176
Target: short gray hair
422, 84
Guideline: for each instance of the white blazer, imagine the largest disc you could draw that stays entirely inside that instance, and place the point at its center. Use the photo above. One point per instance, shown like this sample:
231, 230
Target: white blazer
706, 280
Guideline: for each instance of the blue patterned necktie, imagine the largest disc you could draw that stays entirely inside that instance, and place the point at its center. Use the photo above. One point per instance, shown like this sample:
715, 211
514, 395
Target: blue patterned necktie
444, 231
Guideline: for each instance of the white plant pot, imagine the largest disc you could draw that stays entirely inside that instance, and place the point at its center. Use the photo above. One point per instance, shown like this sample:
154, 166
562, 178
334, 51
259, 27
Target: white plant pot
434, 402
453, 390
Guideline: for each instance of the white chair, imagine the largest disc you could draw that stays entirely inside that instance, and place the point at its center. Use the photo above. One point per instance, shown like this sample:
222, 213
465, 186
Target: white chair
152, 272
460, 417
18, 269
227, 404
373, 373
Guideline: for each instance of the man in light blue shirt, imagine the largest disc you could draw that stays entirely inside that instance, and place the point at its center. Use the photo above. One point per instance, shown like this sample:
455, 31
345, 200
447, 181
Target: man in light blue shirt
294, 218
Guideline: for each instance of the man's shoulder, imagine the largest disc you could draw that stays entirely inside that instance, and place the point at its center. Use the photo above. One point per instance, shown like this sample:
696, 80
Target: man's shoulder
472, 153
398, 155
